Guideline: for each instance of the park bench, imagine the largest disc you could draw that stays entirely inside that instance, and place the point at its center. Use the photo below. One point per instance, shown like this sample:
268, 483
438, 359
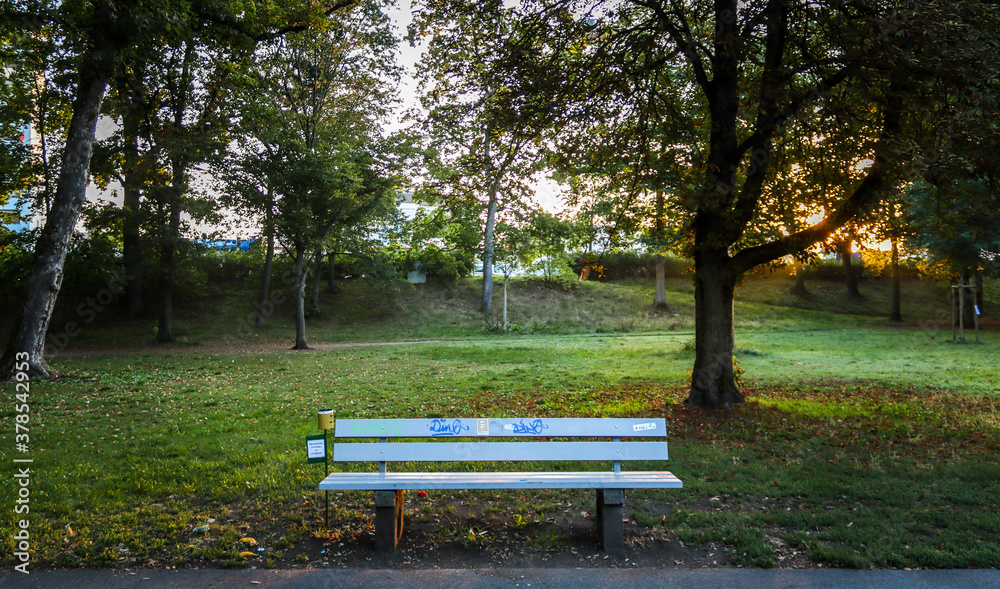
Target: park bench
473, 440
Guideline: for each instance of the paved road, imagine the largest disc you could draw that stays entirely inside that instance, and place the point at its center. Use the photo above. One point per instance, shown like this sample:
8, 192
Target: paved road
507, 579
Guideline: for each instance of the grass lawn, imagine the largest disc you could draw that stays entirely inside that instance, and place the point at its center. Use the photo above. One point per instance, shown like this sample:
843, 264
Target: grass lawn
859, 445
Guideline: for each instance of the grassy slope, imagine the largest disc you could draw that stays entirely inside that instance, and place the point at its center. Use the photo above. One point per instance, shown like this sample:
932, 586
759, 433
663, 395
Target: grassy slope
359, 313
859, 446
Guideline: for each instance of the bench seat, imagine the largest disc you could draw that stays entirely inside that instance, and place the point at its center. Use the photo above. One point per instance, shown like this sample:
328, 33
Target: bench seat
427, 481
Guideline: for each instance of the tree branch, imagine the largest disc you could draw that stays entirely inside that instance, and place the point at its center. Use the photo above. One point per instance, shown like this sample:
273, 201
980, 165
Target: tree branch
870, 189
687, 46
794, 107
240, 28
773, 77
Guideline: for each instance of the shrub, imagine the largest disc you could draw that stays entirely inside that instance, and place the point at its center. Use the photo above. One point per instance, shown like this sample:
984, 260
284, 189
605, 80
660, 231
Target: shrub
447, 265
615, 266
832, 269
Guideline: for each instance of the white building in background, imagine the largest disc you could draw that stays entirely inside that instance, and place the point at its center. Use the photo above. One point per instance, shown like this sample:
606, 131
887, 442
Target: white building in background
16, 212
20, 208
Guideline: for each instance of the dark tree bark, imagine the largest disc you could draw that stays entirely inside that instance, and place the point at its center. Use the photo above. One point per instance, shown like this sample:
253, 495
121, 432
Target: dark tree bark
131, 240
713, 382
800, 280
168, 250
850, 272
179, 163
28, 337
896, 314
300, 298
317, 279
331, 284
979, 292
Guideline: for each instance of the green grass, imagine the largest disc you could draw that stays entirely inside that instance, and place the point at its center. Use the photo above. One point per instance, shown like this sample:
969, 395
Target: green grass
359, 313
859, 445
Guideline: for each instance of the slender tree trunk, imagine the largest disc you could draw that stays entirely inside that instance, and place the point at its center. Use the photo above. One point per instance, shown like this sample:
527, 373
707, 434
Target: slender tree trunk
897, 313
850, 274
317, 279
660, 299
979, 292
178, 186
168, 251
28, 337
968, 300
300, 298
263, 308
491, 217
331, 284
800, 279
713, 383
505, 303
131, 241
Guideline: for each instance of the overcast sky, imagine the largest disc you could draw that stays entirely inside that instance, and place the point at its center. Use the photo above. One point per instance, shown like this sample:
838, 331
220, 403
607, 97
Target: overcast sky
546, 191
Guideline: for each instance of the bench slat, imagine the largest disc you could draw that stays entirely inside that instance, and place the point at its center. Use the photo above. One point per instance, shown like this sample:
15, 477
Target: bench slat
503, 451
397, 481
511, 427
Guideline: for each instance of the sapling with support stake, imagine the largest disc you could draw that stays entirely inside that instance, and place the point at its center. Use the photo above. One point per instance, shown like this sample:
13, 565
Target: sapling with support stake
958, 304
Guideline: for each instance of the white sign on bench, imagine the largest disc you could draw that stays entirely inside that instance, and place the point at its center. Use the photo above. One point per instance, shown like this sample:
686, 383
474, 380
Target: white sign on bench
471, 440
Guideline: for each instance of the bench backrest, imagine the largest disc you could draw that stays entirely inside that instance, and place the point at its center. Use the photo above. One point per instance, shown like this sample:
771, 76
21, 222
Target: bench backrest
470, 431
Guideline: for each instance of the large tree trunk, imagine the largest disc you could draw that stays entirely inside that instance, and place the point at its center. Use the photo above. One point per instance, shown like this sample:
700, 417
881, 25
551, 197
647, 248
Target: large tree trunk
713, 383
300, 299
28, 337
263, 308
131, 244
896, 314
491, 218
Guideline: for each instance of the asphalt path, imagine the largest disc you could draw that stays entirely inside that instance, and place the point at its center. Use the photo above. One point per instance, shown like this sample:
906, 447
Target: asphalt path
728, 578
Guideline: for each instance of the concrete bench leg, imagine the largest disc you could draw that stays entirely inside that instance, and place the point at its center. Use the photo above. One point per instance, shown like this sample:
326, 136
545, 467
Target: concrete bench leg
610, 519
388, 520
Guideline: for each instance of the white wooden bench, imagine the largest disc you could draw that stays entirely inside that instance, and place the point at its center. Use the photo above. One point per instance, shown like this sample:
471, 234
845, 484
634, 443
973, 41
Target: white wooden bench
475, 443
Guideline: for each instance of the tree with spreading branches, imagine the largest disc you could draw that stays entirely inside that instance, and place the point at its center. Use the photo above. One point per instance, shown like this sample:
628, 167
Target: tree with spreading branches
729, 89
99, 37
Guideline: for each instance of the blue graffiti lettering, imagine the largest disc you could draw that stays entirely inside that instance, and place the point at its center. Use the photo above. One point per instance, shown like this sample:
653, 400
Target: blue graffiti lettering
441, 427
535, 427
